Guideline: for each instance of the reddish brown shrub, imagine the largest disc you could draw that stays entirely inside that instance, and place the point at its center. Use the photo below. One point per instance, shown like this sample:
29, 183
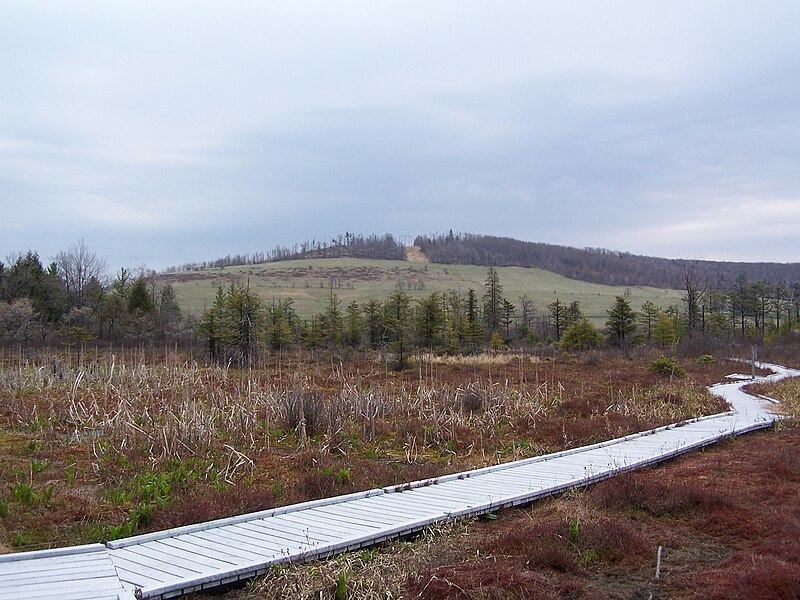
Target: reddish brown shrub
207, 503
611, 539
783, 465
484, 580
639, 491
553, 556
731, 524
750, 576
542, 544
497, 580
582, 407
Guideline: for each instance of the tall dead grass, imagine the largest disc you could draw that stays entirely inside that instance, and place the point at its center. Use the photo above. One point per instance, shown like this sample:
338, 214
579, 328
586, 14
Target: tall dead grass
170, 407
787, 393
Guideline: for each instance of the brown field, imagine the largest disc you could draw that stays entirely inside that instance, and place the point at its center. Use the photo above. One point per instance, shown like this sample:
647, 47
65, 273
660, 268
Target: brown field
101, 445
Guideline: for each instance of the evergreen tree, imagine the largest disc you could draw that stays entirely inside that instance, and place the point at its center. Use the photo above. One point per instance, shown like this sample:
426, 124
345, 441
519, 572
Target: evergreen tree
558, 317
527, 313
455, 321
120, 285
621, 323
572, 314
139, 299
333, 321
27, 278
281, 322
168, 310
473, 333
581, 335
313, 333
507, 312
430, 321
211, 327
398, 321
353, 325
492, 300
243, 319
374, 323
664, 335
647, 318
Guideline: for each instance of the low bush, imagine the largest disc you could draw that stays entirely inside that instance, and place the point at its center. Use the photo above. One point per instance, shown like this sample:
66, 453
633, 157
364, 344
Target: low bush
638, 492
666, 367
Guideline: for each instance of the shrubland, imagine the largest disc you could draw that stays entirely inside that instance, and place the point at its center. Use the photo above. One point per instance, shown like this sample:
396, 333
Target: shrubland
101, 444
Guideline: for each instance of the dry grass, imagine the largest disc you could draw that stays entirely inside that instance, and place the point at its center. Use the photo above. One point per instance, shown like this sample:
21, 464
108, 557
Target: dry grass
786, 392
481, 360
118, 431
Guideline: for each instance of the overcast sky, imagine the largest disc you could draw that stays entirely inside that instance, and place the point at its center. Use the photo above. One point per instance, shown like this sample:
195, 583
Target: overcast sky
168, 132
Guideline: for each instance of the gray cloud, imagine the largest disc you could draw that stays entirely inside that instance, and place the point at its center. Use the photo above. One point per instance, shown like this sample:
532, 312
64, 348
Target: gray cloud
165, 133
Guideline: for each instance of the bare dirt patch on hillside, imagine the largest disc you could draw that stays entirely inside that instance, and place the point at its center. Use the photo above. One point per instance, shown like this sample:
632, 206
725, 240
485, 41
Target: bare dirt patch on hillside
415, 254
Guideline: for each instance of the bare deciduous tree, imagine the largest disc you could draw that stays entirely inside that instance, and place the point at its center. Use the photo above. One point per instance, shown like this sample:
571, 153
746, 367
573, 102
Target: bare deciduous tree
79, 265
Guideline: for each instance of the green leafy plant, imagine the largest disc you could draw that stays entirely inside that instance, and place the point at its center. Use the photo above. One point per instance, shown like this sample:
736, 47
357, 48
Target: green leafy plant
24, 494
340, 476
574, 530
340, 592
115, 496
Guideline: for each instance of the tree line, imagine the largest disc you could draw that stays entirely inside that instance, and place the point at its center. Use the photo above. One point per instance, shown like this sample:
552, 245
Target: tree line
347, 245
595, 265
240, 326
71, 301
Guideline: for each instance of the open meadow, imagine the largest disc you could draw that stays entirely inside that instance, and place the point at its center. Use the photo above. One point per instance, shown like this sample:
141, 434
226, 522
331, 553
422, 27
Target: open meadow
309, 282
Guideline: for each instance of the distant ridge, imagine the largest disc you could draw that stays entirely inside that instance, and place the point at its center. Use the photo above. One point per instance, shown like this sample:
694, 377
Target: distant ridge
595, 265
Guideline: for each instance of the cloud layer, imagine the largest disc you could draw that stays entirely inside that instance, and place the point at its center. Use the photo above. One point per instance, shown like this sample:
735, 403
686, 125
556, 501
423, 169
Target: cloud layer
170, 132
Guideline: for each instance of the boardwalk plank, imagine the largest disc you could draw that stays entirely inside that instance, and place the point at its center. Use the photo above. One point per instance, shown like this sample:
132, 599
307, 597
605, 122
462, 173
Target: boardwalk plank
152, 569
217, 542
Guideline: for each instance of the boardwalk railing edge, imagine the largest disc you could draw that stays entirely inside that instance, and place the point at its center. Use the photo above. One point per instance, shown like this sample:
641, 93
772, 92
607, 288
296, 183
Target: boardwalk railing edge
53, 552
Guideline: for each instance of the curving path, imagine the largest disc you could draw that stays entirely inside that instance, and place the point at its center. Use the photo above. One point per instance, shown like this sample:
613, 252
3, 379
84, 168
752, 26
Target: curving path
178, 561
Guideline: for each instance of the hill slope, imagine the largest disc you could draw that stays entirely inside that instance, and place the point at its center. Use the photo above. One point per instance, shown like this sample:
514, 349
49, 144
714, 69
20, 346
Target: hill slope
594, 265
309, 282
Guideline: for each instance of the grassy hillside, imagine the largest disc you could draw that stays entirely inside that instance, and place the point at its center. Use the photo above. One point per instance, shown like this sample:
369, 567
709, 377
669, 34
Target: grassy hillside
308, 283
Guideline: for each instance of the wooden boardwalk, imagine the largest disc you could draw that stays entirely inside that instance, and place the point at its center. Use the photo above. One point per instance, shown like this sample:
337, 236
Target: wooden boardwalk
178, 561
